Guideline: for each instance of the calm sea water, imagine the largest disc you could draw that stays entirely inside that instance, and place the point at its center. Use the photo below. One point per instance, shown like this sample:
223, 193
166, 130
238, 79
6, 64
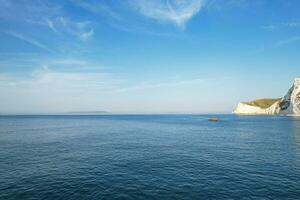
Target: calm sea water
149, 157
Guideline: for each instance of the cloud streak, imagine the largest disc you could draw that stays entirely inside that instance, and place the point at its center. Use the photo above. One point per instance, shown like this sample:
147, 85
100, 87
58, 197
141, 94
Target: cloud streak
30, 41
178, 12
167, 84
288, 24
52, 90
96, 7
289, 41
82, 29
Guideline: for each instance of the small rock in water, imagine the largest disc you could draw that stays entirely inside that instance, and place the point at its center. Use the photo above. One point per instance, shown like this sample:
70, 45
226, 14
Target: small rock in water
213, 119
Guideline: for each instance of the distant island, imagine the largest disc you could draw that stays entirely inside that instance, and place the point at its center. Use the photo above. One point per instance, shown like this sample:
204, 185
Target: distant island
288, 105
89, 112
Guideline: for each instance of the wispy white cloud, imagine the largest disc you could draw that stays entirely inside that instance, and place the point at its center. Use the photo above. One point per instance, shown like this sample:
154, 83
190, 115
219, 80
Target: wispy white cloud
46, 89
81, 29
295, 23
49, 14
51, 25
221, 5
175, 11
96, 7
287, 24
167, 84
30, 40
70, 61
74, 64
84, 36
292, 24
75, 80
289, 41
117, 19
270, 27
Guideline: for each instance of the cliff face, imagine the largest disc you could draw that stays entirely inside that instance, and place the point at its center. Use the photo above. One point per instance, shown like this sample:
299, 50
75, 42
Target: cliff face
288, 105
244, 108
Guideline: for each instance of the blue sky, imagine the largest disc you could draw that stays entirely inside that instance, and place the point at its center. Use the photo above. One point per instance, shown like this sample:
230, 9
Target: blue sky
145, 56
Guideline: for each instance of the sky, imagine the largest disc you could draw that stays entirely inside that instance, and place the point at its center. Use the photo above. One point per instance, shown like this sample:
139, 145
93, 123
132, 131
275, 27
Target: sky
145, 56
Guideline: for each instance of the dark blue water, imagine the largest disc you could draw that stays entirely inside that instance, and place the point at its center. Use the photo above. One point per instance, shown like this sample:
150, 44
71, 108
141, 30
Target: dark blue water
149, 157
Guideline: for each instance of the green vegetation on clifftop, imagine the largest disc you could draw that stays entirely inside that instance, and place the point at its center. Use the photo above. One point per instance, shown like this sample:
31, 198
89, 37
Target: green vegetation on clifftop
262, 103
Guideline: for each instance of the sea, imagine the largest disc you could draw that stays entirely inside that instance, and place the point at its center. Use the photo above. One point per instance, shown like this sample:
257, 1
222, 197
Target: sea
149, 157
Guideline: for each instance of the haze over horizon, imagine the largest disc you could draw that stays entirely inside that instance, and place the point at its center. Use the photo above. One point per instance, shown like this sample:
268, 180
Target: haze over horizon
139, 56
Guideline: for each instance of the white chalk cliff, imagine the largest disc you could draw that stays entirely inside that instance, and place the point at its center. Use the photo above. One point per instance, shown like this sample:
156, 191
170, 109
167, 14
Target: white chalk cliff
288, 105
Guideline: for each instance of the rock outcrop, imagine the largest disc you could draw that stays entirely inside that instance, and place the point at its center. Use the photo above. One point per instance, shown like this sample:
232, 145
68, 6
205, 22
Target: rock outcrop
288, 105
